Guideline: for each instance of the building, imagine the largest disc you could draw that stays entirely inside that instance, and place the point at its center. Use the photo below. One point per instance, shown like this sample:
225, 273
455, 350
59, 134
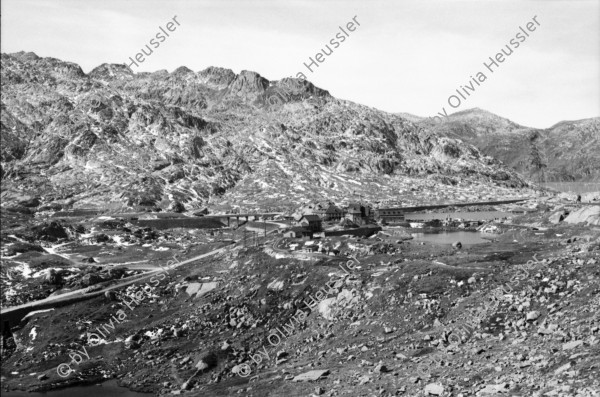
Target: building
311, 222
390, 214
297, 232
359, 213
310, 248
333, 213
354, 212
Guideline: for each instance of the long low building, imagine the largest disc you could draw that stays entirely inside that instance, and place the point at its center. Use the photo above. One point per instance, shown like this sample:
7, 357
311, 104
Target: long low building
389, 214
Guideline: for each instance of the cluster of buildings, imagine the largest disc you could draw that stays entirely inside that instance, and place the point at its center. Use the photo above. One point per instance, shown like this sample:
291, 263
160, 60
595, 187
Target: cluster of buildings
308, 222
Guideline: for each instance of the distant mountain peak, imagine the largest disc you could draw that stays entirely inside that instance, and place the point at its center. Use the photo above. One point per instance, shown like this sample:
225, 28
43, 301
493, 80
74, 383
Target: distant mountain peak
217, 76
110, 71
25, 56
182, 70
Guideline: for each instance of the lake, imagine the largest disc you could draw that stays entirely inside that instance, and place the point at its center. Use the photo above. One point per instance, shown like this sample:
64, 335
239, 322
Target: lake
465, 237
470, 216
109, 388
573, 187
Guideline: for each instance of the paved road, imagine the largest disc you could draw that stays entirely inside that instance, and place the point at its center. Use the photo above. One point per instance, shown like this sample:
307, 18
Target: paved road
76, 295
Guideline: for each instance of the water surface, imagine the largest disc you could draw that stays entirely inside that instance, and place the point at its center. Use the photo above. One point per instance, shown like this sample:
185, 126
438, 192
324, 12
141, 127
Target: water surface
106, 389
573, 187
468, 216
465, 237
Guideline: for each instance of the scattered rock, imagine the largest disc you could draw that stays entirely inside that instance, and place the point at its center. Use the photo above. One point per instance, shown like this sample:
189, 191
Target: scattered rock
207, 361
532, 316
434, 389
572, 345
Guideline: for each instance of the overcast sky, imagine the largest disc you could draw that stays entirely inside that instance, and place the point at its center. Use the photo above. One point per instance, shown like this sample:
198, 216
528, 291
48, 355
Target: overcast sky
406, 56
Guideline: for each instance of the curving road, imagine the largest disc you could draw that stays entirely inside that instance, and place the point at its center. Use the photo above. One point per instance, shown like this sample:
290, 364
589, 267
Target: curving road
80, 294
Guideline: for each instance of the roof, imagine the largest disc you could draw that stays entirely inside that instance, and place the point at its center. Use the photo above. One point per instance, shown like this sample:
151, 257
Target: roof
333, 209
311, 218
354, 207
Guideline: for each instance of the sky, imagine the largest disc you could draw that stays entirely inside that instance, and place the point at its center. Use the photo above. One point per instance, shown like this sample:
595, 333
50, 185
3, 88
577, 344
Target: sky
403, 55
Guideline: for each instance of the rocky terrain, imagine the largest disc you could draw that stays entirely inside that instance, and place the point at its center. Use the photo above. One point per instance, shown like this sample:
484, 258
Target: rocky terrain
515, 316
567, 151
114, 267
114, 139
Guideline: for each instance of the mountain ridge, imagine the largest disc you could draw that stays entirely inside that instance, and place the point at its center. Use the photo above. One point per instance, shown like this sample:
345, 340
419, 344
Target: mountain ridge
565, 152
113, 137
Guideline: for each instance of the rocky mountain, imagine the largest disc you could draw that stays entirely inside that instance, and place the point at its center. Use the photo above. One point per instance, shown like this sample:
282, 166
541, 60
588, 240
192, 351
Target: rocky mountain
567, 151
115, 139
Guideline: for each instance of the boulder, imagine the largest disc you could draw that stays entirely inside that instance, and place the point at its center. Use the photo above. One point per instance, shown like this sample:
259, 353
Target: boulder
110, 296
102, 238
434, 389
53, 277
590, 197
90, 279
572, 345
51, 232
176, 206
588, 215
533, 315
557, 217
207, 361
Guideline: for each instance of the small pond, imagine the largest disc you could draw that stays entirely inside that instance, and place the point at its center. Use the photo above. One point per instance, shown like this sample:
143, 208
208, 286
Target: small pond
106, 389
465, 237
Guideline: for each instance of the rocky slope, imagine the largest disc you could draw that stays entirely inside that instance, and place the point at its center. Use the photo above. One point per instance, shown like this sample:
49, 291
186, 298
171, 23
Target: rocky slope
116, 139
519, 316
567, 151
